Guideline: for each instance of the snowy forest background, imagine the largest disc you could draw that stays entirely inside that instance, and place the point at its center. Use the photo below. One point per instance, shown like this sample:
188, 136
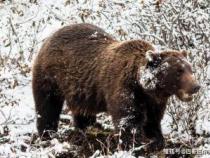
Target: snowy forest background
174, 24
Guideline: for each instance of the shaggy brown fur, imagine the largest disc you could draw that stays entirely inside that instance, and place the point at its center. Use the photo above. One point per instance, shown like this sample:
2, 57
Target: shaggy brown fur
95, 73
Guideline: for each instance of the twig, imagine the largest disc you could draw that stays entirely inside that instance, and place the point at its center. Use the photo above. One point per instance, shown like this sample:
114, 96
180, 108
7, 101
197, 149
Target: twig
156, 37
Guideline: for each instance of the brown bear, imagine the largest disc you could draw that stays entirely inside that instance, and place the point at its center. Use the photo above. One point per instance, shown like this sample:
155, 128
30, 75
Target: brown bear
90, 70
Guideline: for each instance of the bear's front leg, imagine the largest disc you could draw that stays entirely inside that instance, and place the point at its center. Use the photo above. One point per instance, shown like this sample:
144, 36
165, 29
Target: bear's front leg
153, 131
128, 119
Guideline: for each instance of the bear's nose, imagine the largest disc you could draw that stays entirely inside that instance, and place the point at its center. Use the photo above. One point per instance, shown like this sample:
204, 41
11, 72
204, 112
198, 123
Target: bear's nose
196, 88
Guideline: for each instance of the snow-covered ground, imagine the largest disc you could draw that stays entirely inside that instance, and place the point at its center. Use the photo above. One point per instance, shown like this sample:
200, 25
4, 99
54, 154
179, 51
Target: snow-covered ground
24, 24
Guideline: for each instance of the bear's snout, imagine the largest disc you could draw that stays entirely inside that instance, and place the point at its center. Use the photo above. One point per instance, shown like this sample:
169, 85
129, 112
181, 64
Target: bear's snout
195, 88
188, 87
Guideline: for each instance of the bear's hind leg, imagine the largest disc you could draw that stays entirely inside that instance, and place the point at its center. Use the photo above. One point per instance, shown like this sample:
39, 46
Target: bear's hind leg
48, 102
83, 121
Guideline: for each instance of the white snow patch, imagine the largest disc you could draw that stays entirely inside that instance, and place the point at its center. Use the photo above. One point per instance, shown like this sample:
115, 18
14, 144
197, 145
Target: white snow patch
95, 34
147, 78
149, 55
120, 154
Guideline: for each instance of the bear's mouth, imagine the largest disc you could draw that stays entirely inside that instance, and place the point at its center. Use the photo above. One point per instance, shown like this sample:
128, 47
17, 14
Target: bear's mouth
184, 96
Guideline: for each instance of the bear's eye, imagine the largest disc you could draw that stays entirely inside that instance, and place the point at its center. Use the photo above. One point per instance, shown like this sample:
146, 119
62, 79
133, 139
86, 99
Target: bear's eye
180, 71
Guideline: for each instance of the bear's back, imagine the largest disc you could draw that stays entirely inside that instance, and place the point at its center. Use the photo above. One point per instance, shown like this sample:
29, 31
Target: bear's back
80, 37
82, 31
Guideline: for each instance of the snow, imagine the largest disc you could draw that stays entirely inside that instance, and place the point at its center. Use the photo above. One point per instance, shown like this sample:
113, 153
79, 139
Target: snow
147, 77
120, 154
105, 120
21, 121
25, 25
124, 121
149, 55
95, 34
208, 72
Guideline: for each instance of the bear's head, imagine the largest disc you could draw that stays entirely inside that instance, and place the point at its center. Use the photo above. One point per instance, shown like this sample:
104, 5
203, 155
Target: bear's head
171, 73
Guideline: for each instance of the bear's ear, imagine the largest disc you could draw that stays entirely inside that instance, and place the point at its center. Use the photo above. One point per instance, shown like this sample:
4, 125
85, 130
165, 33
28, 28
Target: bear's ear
184, 53
153, 58
151, 55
